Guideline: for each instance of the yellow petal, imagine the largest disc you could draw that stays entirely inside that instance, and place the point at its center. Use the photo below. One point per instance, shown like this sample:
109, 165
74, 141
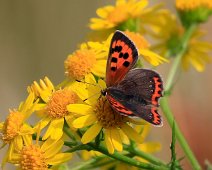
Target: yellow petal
11, 150
47, 144
131, 133
100, 68
18, 142
43, 123
26, 129
27, 139
152, 57
54, 149
198, 65
57, 125
89, 78
69, 120
55, 129
103, 12
82, 109
80, 89
28, 103
91, 133
124, 138
59, 158
102, 84
145, 130
150, 147
84, 121
116, 139
108, 142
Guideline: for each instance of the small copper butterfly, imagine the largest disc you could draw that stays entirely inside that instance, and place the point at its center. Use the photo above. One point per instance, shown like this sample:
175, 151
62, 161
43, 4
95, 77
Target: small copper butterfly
131, 92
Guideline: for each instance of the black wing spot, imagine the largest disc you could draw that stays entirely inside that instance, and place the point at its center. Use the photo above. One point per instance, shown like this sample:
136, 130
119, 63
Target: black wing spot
114, 60
126, 63
126, 55
157, 98
160, 92
121, 55
113, 68
119, 48
116, 48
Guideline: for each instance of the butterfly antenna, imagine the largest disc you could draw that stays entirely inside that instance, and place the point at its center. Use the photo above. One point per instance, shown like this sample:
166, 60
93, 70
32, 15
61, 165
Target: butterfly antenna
91, 96
90, 84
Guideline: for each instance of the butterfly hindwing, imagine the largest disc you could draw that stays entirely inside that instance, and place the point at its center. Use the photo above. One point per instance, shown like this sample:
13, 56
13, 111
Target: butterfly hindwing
133, 105
122, 57
144, 83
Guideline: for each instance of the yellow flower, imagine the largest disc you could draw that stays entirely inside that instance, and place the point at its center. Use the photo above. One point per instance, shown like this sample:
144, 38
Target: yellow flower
194, 11
99, 116
197, 53
112, 16
15, 131
53, 107
87, 60
40, 155
193, 4
132, 15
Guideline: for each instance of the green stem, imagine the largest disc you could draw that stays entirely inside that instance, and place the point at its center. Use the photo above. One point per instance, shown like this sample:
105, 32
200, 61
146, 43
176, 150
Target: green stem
181, 139
126, 159
178, 58
164, 101
148, 157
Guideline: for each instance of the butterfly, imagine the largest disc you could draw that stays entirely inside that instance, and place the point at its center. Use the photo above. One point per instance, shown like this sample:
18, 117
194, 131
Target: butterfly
131, 92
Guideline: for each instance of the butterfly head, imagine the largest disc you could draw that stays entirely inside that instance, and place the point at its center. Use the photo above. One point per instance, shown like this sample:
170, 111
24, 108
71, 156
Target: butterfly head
104, 92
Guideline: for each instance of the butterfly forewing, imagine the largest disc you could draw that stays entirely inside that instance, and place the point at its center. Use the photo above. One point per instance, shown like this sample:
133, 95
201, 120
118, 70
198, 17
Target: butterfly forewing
122, 57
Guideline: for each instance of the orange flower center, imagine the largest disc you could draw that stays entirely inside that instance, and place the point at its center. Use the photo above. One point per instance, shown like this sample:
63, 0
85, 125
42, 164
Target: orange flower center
56, 107
33, 158
80, 63
106, 115
12, 126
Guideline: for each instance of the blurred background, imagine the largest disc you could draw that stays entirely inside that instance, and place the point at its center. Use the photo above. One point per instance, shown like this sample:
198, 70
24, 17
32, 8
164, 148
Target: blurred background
36, 37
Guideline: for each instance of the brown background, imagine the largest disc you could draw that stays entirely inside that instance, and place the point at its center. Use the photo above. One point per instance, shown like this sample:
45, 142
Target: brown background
36, 37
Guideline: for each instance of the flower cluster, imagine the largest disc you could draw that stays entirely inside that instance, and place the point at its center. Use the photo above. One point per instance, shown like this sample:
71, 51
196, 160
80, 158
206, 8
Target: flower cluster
74, 116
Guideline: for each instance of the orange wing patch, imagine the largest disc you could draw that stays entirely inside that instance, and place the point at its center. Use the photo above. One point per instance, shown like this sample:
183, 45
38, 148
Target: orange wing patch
157, 93
118, 106
156, 116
